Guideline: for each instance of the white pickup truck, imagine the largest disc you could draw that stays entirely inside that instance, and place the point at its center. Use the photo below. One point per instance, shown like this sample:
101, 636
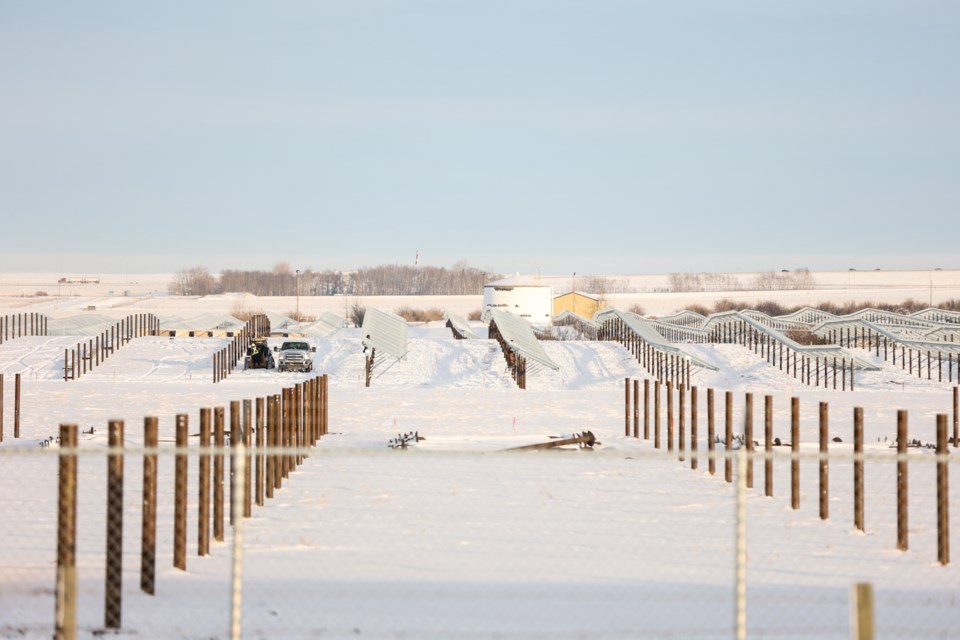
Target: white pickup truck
295, 355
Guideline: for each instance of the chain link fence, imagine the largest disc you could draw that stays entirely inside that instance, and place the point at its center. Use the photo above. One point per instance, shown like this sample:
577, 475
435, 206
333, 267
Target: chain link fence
266, 540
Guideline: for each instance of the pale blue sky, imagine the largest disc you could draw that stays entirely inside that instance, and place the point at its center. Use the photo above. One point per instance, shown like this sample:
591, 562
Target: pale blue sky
595, 136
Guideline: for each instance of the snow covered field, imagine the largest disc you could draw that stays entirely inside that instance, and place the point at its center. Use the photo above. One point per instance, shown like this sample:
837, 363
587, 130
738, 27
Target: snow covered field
147, 293
454, 538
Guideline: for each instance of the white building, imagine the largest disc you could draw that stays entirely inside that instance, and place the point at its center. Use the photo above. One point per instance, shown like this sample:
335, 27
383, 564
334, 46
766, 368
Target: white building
522, 296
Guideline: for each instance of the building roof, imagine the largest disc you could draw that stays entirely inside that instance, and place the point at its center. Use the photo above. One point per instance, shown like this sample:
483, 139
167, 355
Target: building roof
582, 294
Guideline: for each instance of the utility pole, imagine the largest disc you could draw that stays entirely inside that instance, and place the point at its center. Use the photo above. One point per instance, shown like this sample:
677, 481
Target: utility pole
298, 294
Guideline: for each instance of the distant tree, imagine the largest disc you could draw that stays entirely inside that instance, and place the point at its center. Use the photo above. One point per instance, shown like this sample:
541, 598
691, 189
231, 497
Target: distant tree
357, 313
193, 282
382, 280
698, 308
803, 279
950, 305
726, 304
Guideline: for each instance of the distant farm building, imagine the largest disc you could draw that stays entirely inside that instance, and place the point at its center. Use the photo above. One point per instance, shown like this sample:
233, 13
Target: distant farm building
578, 303
522, 296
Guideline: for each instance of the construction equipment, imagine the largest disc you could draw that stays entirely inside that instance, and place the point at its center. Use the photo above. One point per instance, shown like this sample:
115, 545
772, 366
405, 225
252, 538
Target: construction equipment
258, 355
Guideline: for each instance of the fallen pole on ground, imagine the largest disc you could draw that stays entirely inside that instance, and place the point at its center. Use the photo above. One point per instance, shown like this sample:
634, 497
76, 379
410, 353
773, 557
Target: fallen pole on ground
585, 440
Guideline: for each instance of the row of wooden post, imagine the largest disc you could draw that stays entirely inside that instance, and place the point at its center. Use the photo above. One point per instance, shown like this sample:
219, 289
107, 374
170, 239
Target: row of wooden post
225, 360
516, 363
810, 370
22, 324
16, 406
868, 339
632, 418
275, 431
87, 355
664, 366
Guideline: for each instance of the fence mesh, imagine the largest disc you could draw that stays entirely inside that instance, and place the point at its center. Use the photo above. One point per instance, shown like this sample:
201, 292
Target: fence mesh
608, 543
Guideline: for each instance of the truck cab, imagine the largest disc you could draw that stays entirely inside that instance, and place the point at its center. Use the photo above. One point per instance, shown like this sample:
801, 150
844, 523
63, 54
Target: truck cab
295, 355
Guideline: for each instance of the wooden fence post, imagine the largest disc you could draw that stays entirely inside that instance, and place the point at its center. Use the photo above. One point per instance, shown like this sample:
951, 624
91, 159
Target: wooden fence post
682, 423
235, 437
16, 406
858, 497
656, 414
728, 436
824, 462
768, 446
748, 437
66, 591
113, 585
325, 403
259, 460
862, 611
795, 452
289, 442
203, 515
646, 410
693, 427
248, 476
309, 429
278, 458
315, 409
636, 408
270, 460
299, 435
956, 410
284, 433
669, 415
902, 504
943, 492
148, 531
711, 434
318, 408
218, 441
180, 499
626, 403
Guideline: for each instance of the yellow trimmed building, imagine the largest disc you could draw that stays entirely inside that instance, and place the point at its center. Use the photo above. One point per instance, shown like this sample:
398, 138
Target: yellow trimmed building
579, 303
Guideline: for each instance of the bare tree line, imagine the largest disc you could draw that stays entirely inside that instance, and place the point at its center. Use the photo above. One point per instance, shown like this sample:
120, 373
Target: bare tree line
798, 279
382, 280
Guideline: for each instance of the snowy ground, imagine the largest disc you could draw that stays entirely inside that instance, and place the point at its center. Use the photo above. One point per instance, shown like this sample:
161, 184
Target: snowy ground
455, 539
146, 293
